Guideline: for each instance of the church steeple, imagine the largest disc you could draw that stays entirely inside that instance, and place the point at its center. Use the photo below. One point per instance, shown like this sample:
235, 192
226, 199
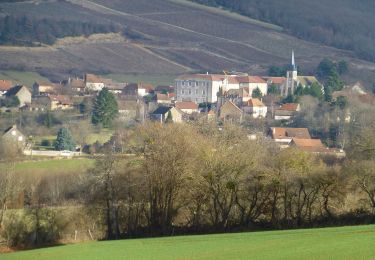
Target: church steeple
294, 67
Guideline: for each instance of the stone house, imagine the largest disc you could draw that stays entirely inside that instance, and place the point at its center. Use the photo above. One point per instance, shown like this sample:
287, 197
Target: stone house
161, 114
22, 93
230, 112
13, 136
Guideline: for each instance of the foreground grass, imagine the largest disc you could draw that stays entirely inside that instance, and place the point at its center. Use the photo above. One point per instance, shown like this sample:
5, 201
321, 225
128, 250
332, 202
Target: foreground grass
329, 243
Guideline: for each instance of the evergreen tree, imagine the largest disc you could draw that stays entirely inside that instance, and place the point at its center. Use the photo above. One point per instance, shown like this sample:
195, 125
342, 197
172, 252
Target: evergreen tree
256, 93
105, 108
273, 89
64, 140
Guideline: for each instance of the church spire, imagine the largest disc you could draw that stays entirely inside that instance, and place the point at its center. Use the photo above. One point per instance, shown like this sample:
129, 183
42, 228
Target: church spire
293, 61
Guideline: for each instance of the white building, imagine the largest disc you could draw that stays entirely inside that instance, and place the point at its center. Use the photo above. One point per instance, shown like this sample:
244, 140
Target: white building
94, 83
256, 108
200, 88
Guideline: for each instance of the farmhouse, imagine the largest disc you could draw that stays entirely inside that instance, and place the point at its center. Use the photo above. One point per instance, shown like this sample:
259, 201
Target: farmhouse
13, 136
230, 112
161, 114
22, 93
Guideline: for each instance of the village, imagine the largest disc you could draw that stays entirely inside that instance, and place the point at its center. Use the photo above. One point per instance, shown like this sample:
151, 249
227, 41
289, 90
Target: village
235, 98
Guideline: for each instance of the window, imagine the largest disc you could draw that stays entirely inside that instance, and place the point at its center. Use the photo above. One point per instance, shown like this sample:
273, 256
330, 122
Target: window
203, 92
189, 83
183, 83
182, 91
196, 92
189, 92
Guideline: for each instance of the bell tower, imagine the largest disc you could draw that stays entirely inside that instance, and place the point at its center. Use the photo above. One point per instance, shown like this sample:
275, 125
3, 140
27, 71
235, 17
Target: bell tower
291, 78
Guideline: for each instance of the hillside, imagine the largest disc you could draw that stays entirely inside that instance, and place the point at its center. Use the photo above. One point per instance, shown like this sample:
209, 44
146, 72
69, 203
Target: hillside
330, 243
345, 24
165, 37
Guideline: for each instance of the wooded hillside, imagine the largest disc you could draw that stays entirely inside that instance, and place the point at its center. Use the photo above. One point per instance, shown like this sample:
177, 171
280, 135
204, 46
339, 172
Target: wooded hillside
345, 24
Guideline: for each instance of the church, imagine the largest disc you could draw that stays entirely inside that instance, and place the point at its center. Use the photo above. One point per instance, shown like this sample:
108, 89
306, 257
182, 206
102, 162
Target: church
293, 80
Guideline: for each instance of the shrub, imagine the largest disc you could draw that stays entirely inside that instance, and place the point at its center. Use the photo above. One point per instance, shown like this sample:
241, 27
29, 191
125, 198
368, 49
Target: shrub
31, 227
46, 142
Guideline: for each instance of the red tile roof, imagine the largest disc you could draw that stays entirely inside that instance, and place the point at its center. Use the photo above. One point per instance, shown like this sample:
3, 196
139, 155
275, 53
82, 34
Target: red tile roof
5, 85
285, 132
254, 102
275, 80
65, 100
232, 79
186, 105
249, 79
290, 107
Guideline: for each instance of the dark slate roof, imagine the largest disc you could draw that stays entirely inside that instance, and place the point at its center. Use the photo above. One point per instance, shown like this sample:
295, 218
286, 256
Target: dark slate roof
161, 110
13, 91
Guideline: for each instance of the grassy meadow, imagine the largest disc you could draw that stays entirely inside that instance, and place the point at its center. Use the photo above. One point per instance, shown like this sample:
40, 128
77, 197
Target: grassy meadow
54, 166
329, 243
22, 77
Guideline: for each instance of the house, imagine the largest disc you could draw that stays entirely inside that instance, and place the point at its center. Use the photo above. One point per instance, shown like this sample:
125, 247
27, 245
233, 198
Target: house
116, 88
230, 112
287, 111
316, 146
187, 107
308, 145
76, 85
252, 83
5, 85
161, 114
256, 108
60, 102
94, 82
13, 136
138, 89
163, 99
22, 93
164, 89
43, 89
131, 110
284, 135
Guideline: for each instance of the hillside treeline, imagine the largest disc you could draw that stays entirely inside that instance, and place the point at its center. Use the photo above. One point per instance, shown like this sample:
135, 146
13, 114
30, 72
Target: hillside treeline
342, 24
29, 31
172, 179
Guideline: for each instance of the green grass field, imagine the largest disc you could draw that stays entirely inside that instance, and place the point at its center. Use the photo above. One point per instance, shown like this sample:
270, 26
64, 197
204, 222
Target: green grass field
330, 243
54, 166
22, 77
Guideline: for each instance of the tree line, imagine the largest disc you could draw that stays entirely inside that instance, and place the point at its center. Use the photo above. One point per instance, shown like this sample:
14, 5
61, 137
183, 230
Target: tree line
29, 31
168, 179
